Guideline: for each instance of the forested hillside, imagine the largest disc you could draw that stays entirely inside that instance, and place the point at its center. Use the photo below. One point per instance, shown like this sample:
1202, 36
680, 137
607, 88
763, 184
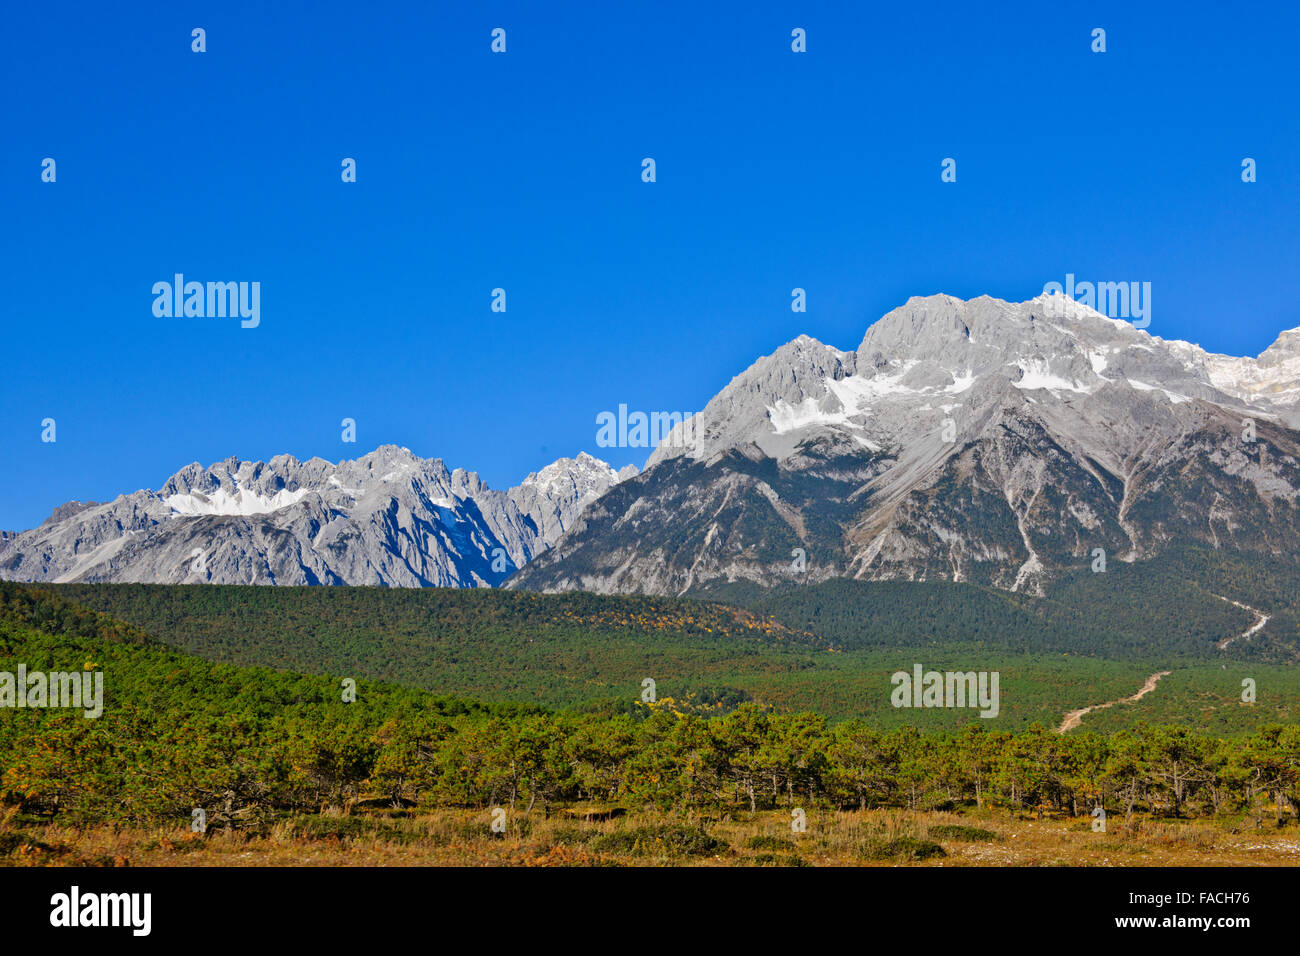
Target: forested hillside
587, 650
250, 745
495, 645
1177, 606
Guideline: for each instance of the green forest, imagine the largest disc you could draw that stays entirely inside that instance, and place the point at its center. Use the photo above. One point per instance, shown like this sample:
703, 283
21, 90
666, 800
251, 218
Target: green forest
249, 744
1175, 606
828, 648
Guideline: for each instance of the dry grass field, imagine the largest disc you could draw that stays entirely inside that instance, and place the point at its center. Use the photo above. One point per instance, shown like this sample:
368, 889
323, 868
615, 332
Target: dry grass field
572, 838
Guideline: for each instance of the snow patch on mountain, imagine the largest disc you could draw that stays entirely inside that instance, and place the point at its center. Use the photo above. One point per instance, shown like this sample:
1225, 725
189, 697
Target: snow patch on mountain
986, 348
388, 518
242, 502
1037, 373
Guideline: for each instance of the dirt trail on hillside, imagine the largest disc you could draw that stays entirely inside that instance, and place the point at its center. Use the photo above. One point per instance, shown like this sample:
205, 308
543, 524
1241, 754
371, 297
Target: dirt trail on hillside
1261, 620
1075, 717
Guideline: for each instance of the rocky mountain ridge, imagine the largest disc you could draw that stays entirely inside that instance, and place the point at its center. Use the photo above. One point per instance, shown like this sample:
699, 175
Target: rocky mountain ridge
388, 518
977, 440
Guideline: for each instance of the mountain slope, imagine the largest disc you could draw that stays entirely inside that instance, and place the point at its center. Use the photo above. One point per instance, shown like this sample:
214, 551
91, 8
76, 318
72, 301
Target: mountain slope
983, 441
387, 518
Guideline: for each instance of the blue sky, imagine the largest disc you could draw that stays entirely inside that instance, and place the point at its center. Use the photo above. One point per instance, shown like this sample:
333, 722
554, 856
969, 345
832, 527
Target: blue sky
523, 171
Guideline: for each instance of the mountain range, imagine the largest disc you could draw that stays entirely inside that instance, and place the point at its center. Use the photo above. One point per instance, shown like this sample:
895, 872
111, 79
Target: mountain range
973, 441
388, 518
977, 441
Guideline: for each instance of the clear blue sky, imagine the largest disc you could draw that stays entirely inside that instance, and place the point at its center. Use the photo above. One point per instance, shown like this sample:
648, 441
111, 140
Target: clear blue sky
522, 171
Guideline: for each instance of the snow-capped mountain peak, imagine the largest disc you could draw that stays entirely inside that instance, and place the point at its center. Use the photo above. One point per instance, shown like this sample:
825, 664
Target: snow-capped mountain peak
388, 517
938, 357
978, 440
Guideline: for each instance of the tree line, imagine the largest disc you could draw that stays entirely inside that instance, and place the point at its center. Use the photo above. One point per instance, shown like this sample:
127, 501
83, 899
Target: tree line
180, 733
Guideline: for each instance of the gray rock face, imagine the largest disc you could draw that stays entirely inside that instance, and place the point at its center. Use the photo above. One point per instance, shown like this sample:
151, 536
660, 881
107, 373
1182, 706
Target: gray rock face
556, 495
980, 441
388, 518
